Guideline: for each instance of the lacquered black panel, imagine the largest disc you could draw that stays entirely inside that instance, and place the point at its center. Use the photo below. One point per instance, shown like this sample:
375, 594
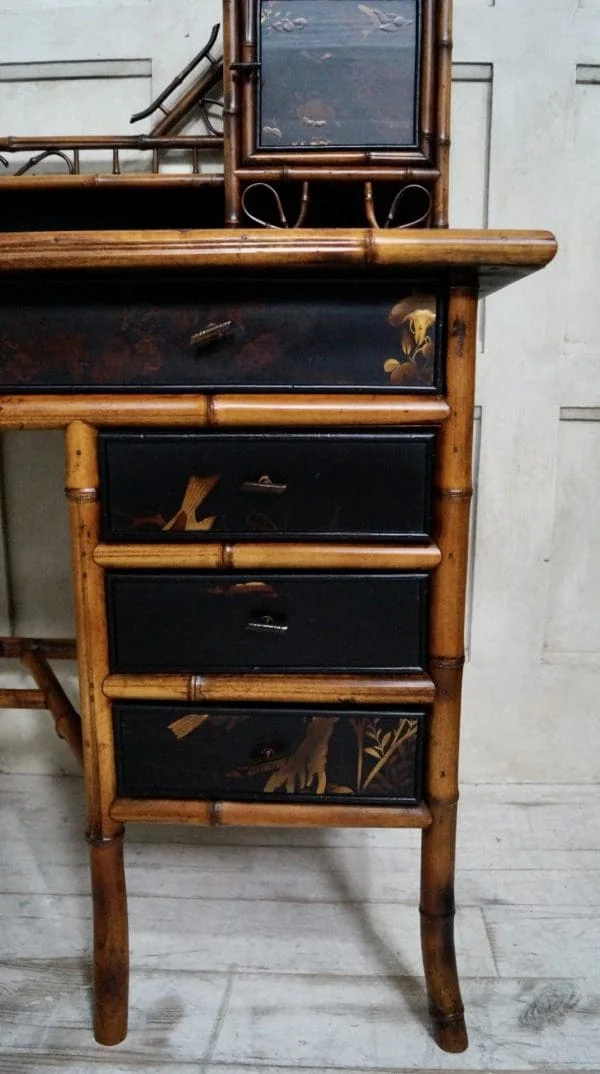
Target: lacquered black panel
281, 334
190, 487
270, 753
336, 73
197, 622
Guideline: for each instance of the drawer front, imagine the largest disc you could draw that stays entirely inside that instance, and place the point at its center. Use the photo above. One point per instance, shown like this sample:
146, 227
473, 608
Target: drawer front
268, 753
279, 334
195, 622
177, 487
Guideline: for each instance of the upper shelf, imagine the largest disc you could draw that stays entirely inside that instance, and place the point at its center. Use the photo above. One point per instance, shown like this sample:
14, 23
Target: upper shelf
493, 259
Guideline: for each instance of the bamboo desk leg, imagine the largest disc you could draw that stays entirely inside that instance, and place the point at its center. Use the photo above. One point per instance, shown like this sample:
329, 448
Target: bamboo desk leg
105, 836
448, 586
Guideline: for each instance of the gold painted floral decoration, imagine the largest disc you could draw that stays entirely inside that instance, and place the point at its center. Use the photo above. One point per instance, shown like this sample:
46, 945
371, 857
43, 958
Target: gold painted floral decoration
415, 316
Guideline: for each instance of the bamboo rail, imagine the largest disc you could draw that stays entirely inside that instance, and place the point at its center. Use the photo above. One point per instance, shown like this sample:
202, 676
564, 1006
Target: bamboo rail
111, 141
219, 411
250, 556
267, 814
96, 180
298, 689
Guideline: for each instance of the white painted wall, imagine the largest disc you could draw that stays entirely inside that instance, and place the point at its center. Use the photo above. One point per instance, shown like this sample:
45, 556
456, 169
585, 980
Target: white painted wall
526, 154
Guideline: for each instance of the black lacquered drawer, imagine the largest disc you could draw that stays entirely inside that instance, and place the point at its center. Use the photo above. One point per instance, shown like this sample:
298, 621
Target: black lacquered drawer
279, 754
190, 621
202, 486
280, 334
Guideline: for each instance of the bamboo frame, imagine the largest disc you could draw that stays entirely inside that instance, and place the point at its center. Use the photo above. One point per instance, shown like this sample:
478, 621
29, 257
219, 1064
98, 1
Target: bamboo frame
298, 689
266, 814
240, 65
251, 556
105, 835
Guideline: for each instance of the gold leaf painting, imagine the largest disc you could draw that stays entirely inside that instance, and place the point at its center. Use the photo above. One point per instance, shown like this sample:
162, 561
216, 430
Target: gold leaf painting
415, 316
185, 520
383, 766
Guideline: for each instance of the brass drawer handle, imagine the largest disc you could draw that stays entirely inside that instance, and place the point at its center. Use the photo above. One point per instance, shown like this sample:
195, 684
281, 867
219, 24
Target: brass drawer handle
265, 484
266, 624
211, 334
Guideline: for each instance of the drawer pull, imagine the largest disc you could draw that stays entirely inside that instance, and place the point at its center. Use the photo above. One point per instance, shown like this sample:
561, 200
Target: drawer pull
265, 484
266, 624
211, 334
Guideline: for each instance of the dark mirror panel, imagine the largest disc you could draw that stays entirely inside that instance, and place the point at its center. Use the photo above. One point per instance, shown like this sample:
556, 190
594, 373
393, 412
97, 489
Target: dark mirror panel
338, 73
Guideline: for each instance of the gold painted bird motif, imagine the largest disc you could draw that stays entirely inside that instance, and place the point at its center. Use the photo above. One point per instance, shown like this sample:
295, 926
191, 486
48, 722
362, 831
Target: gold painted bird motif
388, 21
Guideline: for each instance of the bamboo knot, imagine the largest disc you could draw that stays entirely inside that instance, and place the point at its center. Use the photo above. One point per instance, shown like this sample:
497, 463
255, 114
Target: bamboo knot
452, 662
100, 842
82, 495
446, 915
455, 494
196, 687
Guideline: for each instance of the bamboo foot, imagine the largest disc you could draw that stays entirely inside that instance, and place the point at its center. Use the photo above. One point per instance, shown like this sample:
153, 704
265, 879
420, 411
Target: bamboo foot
111, 942
443, 989
437, 929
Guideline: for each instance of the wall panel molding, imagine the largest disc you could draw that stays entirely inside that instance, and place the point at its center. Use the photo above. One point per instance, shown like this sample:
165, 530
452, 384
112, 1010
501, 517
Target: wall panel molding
74, 69
572, 620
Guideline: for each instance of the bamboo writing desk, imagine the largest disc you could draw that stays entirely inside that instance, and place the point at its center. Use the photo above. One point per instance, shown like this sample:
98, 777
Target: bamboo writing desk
268, 437
146, 709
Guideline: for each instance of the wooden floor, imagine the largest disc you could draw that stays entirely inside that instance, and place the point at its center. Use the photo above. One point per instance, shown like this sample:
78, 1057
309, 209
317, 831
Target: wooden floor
277, 951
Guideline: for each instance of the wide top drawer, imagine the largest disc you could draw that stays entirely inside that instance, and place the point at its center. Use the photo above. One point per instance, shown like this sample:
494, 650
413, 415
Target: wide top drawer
108, 333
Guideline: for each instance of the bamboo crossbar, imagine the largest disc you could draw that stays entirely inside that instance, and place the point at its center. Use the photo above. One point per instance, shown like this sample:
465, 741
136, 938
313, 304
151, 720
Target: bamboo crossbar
110, 141
66, 719
251, 556
22, 699
299, 689
181, 411
138, 180
339, 174
266, 814
50, 648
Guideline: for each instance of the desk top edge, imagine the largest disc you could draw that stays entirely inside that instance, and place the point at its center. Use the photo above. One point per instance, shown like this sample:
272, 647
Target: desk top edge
490, 259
